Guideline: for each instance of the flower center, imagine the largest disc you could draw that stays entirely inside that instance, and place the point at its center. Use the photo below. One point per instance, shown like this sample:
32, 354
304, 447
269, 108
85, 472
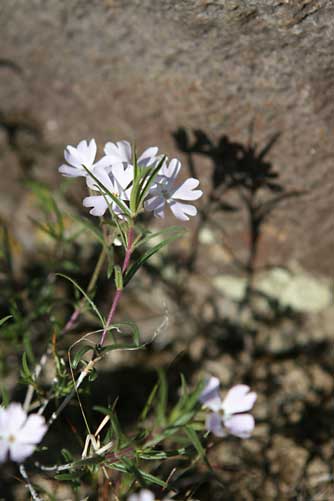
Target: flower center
11, 439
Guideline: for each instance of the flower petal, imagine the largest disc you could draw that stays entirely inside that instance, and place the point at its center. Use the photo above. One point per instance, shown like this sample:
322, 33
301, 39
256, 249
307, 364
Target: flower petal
82, 148
3, 450
4, 418
103, 162
98, 204
159, 213
210, 396
240, 425
33, 430
186, 190
123, 177
68, 171
16, 417
105, 179
181, 211
154, 203
124, 148
148, 156
146, 495
118, 152
91, 153
72, 157
110, 148
213, 424
172, 169
18, 452
238, 399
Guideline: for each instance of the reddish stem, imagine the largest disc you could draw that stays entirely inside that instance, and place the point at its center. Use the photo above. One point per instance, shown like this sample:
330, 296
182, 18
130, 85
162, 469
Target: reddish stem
70, 323
119, 292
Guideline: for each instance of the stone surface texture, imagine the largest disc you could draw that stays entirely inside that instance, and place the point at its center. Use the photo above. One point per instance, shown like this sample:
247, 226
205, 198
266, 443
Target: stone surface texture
140, 69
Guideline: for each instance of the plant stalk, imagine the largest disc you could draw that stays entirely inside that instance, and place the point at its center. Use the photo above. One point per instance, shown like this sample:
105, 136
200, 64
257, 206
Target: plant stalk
70, 323
118, 294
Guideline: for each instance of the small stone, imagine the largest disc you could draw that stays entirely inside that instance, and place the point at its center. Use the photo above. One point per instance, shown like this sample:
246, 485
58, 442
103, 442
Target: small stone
287, 460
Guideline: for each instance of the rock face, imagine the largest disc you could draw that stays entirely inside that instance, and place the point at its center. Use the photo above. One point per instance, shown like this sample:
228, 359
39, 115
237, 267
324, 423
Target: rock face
143, 68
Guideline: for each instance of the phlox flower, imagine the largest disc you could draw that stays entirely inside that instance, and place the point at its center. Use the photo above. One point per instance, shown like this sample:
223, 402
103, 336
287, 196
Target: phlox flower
117, 180
19, 433
163, 192
231, 414
143, 495
121, 152
210, 396
78, 157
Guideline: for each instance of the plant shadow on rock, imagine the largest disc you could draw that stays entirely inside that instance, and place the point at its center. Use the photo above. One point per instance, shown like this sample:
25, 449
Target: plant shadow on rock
241, 170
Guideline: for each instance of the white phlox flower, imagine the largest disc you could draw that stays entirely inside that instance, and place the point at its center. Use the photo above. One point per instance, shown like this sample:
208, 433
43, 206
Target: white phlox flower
19, 433
121, 152
115, 173
164, 192
78, 157
143, 495
231, 414
117, 180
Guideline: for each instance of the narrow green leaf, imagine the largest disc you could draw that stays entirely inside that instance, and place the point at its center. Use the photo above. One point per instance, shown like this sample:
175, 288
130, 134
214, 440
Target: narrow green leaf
59, 218
93, 228
146, 256
168, 432
28, 349
5, 319
188, 401
148, 477
136, 178
142, 476
146, 182
162, 398
69, 477
120, 438
183, 419
135, 333
193, 398
166, 231
118, 277
4, 396
120, 346
45, 228
103, 410
125, 210
79, 354
153, 455
67, 455
193, 437
26, 372
88, 299
149, 402
121, 232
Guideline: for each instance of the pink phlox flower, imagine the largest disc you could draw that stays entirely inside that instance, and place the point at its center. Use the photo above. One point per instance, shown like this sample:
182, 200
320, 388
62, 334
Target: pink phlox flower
231, 415
163, 192
78, 157
210, 396
19, 433
117, 180
121, 152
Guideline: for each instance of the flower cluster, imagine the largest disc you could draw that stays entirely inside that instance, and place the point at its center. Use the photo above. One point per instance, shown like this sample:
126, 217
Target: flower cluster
19, 433
114, 178
231, 414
